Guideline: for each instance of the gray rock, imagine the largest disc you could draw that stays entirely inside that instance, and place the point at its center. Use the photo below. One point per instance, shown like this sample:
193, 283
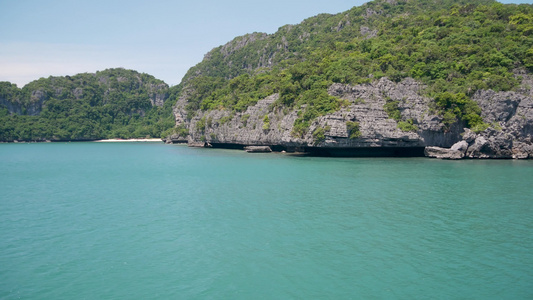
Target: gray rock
78, 92
257, 149
158, 94
493, 143
12, 105
175, 139
476, 149
469, 136
498, 106
367, 32
443, 153
522, 150
197, 144
461, 146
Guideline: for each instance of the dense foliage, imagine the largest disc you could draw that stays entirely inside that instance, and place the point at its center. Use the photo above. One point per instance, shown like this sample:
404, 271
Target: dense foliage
454, 47
114, 103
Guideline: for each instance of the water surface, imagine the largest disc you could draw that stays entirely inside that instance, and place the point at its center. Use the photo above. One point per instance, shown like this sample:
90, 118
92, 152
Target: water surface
147, 220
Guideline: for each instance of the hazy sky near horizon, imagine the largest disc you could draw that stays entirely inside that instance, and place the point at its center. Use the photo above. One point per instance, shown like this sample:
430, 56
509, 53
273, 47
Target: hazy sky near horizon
163, 38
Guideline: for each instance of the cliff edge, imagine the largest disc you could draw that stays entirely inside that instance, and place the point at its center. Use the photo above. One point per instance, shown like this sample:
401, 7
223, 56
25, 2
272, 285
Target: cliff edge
364, 123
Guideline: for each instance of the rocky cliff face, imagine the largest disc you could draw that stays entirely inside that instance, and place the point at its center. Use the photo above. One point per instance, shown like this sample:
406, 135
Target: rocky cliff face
158, 94
511, 117
509, 113
31, 106
510, 135
10, 105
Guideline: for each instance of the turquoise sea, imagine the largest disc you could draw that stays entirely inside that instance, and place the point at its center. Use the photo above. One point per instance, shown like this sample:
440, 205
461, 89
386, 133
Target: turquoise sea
155, 221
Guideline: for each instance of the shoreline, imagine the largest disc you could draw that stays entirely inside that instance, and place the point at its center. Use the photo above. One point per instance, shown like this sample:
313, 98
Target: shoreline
128, 140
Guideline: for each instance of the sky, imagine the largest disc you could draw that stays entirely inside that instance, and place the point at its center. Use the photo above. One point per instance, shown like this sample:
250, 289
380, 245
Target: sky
163, 38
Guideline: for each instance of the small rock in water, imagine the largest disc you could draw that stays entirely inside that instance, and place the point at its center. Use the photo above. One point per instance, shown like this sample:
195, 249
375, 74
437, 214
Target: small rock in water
443, 153
257, 149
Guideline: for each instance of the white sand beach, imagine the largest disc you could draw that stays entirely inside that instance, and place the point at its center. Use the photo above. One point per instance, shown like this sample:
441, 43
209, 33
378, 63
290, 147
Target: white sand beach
128, 140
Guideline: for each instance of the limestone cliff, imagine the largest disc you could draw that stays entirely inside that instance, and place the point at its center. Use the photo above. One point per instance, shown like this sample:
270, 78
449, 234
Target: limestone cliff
509, 113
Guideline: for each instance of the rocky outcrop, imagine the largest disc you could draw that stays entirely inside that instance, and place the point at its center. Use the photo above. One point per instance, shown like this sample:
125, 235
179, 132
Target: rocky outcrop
257, 149
11, 105
510, 135
368, 33
158, 94
457, 151
31, 106
510, 115
175, 139
443, 153
37, 99
488, 144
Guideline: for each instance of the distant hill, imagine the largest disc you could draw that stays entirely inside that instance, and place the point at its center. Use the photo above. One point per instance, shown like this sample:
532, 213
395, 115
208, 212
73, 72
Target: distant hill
114, 103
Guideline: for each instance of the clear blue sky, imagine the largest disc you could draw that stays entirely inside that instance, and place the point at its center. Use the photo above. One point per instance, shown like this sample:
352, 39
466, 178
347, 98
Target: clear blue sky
163, 38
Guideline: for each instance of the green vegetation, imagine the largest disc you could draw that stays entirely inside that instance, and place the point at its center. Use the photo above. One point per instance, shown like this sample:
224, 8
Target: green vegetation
353, 130
455, 47
392, 109
407, 126
225, 119
244, 119
266, 123
180, 131
319, 134
459, 106
201, 125
114, 103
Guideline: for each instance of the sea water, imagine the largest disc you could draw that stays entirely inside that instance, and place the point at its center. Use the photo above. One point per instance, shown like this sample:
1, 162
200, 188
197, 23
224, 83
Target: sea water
155, 221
